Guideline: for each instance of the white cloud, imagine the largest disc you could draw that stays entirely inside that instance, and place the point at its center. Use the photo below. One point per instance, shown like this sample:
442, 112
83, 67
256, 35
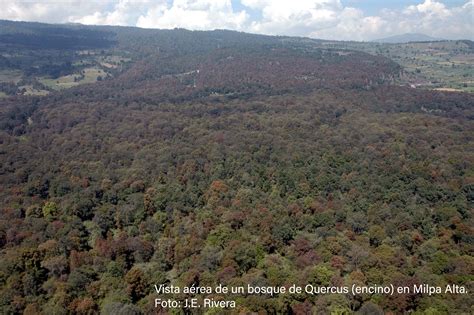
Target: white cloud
125, 12
49, 11
328, 19
352, 25
293, 17
433, 18
196, 15
429, 7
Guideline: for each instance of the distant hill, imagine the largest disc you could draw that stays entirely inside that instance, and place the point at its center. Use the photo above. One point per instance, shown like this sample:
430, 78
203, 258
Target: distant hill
406, 38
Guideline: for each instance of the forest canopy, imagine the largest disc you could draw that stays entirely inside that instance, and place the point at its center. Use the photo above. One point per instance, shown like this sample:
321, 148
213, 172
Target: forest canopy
206, 158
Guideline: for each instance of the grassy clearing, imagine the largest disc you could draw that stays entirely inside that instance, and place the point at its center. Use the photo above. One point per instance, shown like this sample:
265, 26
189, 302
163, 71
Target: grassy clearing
92, 74
10, 76
88, 75
112, 61
30, 90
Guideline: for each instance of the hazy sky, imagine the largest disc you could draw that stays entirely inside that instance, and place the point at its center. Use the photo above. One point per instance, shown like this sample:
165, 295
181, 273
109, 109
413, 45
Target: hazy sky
328, 19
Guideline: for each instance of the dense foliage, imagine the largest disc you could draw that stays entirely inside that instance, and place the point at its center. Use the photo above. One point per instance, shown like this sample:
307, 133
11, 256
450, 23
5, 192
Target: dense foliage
229, 158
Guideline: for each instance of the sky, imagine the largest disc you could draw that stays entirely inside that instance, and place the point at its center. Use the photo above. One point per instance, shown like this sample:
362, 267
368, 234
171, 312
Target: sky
325, 19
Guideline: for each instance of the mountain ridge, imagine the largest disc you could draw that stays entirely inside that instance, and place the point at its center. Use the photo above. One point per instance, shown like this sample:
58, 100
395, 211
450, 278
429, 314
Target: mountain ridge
407, 38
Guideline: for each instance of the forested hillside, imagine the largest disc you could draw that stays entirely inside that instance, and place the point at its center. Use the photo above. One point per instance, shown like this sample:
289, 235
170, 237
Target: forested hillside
133, 157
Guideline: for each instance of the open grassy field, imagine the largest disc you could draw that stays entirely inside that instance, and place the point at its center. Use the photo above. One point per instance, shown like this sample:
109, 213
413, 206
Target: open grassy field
38, 72
10, 76
88, 75
30, 90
